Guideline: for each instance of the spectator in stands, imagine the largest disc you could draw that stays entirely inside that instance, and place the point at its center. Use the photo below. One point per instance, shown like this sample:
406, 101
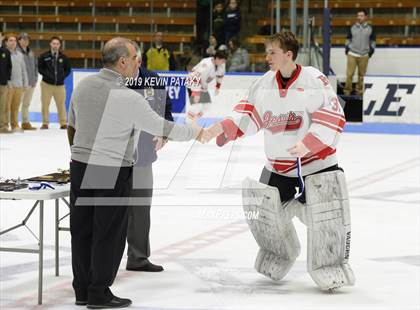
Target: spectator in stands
219, 22
238, 60
5, 75
158, 57
232, 21
212, 49
18, 81
32, 71
195, 58
54, 67
360, 46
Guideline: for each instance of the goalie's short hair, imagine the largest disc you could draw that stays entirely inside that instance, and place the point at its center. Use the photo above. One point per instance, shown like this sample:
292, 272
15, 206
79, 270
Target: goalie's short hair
286, 40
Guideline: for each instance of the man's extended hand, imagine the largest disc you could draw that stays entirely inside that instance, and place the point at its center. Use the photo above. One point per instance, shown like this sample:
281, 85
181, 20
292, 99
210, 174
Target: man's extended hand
160, 142
194, 123
298, 150
213, 131
206, 134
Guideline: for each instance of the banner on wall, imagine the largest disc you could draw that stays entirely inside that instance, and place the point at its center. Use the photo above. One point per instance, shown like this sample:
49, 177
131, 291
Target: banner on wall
175, 86
391, 99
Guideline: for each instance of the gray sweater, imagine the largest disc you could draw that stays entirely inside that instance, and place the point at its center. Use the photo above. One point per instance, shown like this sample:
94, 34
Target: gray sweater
238, 61
19, 76
361, 39
108, 118
31, 65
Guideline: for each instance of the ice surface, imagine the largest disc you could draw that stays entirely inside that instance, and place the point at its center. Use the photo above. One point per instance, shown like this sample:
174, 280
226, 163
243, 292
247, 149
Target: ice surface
199, 236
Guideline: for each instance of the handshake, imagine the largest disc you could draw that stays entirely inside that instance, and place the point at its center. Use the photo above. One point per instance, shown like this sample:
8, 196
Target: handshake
206, 134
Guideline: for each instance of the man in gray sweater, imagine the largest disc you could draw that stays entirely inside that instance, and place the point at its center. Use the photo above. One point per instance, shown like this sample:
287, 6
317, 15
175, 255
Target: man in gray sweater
105, 120
360, 46
32, 71
238, 60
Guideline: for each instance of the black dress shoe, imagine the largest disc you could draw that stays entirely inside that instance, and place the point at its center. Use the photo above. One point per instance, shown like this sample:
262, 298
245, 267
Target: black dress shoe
147, 266
81, 302
115, 302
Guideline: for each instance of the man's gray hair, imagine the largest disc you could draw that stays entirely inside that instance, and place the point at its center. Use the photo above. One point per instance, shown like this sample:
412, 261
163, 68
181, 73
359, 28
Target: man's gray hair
116, 48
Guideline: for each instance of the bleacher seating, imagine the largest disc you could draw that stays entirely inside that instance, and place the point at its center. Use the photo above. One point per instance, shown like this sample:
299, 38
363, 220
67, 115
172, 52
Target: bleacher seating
139, 20
396, 23
340, 40
346, 21
84, 25
351, 4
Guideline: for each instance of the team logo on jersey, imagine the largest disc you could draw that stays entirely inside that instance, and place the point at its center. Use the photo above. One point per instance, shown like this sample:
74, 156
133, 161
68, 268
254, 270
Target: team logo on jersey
3, 55
283, 122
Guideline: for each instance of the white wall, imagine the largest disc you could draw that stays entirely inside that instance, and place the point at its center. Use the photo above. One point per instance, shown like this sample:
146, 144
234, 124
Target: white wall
392, 61
383, 97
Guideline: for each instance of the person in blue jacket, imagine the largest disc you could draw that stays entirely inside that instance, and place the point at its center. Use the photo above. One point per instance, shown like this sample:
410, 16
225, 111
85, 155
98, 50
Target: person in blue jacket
139, 211
232, 21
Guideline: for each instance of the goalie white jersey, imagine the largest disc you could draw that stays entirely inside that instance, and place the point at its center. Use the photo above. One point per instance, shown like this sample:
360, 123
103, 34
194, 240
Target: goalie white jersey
206, 71
306, 110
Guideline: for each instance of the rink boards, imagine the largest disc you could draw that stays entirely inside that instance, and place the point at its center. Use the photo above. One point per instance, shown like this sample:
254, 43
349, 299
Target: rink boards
387, 99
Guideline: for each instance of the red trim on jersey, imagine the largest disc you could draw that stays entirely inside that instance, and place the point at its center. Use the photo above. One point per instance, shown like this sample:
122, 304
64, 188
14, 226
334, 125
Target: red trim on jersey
283, 91
280, 167
316, 147
230, 132
288, 165
195, 93
340, 115
333, 127
285, 161
251, 111
328, 119
285, 168
303, 163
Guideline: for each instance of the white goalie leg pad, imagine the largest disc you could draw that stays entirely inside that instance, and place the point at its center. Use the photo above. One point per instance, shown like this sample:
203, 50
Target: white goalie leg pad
328, 220
273, 228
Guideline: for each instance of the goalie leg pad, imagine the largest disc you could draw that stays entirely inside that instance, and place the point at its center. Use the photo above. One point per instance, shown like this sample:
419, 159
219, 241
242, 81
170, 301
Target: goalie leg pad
273, 229
328, 220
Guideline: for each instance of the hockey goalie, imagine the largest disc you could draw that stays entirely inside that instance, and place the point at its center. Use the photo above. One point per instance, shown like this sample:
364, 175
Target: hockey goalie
302, 119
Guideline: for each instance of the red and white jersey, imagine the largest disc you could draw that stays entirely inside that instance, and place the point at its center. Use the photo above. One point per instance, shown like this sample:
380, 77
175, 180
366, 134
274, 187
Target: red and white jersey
306, 110
205, 72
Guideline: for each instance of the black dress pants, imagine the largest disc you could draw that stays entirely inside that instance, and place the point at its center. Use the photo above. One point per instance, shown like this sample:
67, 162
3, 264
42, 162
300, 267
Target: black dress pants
98, 226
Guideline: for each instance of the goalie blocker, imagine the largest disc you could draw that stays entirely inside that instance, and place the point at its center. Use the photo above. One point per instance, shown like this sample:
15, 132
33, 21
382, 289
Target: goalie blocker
327, 217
